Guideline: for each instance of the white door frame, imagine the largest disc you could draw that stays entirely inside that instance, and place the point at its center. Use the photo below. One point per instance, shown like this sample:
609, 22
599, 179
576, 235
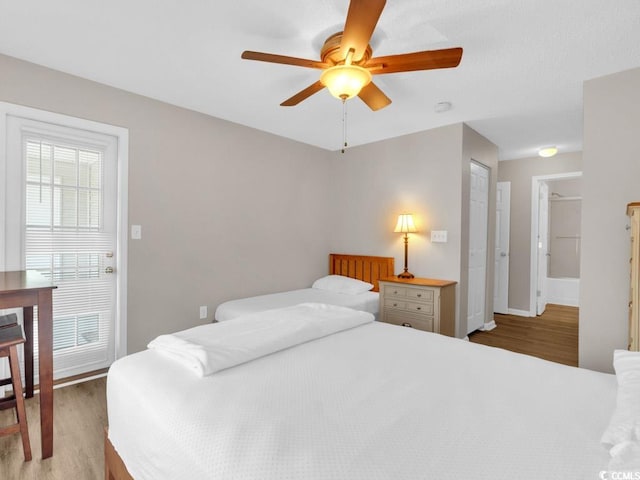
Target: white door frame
535, 209
122, 135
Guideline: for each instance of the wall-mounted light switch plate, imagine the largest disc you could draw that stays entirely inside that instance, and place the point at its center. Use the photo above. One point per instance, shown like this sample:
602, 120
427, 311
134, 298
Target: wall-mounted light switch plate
438, 236
203, 312
136, 232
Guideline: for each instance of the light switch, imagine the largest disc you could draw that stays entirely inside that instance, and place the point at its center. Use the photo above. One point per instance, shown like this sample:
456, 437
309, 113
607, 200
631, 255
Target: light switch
136, 232
438, 236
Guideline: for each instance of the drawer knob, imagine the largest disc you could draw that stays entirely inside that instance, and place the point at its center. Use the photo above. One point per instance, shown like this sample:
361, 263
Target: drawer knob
405, 324
419, 308
395, 292
395, 304
419, 295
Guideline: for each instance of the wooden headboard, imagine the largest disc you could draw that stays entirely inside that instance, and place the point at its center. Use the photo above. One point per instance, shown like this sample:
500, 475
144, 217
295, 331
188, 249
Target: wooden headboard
363, 267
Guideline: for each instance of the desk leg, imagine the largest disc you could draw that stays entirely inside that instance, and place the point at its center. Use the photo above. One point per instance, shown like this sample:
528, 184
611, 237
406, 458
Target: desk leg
27, 315
45, 353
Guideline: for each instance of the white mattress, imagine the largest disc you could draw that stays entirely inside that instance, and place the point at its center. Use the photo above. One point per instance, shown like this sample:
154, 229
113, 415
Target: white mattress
374, 402
367, 302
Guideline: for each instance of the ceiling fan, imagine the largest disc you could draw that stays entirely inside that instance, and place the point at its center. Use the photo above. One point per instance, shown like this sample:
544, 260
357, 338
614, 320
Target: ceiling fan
347, 62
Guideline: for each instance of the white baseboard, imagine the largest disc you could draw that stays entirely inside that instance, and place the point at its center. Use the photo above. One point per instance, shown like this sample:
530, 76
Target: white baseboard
566, 301
488, 326
519, 313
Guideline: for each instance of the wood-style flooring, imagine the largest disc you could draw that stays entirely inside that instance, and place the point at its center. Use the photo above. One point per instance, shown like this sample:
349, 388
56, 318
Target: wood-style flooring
79, 416
552, 335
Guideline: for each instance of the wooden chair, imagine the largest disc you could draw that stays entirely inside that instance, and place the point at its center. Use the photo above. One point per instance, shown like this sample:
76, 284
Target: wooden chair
11, 336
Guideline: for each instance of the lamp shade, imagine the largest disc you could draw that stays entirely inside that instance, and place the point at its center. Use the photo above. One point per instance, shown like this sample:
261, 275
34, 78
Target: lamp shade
405, 224
345, 81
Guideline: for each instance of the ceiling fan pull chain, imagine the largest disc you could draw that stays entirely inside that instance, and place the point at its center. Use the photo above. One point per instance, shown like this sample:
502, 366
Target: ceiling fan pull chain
344, 124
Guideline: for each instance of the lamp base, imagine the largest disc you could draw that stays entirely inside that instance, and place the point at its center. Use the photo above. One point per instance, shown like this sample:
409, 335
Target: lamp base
406, 274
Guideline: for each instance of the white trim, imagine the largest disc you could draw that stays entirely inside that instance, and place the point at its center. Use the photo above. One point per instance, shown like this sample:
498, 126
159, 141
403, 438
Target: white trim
488, 326
520, 313
122, 135
79, 380
533, 263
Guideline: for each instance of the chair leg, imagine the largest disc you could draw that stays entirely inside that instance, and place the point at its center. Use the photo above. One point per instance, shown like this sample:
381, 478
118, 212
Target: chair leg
21, 413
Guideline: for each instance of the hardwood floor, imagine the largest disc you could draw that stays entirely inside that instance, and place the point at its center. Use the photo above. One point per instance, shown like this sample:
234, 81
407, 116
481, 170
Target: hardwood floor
80, 414
552, 335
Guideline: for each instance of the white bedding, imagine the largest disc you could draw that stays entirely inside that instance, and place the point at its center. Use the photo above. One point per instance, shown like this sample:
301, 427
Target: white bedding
366, 302
374, 402
207, 349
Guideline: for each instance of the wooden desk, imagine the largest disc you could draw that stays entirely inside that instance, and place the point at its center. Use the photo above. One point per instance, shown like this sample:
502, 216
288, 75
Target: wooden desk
26, 289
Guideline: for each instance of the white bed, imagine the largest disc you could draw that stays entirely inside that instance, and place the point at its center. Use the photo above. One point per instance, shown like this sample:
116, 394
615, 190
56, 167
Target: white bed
367, 302
371, 402
364, 268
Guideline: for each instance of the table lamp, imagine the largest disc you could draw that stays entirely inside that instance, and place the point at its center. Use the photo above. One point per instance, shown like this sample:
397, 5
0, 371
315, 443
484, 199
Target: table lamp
405, 225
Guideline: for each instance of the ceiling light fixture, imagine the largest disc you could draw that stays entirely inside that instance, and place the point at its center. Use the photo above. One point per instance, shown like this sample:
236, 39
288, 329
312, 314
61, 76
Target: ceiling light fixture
442, 107
345, 81
547, 152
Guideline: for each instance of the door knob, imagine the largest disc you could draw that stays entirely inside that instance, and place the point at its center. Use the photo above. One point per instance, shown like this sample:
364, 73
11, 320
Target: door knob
502, 254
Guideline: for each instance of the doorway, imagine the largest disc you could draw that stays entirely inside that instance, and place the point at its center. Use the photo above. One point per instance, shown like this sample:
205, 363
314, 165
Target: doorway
64, 215
541, 242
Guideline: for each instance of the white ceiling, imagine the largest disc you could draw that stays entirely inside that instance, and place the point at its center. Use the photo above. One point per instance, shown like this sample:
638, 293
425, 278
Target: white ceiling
519, 82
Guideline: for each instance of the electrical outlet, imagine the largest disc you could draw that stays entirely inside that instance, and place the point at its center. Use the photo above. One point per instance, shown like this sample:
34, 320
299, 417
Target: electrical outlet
203, 312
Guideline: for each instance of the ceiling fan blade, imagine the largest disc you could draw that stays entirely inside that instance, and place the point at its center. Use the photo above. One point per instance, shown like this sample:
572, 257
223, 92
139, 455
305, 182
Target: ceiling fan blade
271, 58
303, 95
361, 21
409, 62
374, 97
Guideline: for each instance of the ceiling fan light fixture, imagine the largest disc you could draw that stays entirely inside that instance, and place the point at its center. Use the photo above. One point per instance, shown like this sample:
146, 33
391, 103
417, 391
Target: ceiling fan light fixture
345, 81
547, 152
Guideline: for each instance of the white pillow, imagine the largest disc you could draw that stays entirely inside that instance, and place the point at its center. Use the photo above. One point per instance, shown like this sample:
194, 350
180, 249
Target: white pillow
340, 284
626, 417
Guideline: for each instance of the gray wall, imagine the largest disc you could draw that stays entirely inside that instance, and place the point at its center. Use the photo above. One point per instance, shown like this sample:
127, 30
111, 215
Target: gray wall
611, 180
426, 174
226, 211
519, 173
565, 213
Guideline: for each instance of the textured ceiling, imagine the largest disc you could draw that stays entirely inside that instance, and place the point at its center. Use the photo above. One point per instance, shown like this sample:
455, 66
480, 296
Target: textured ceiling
519, 82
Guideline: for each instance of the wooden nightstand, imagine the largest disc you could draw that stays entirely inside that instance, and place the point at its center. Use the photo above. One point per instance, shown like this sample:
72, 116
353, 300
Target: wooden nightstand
422, 303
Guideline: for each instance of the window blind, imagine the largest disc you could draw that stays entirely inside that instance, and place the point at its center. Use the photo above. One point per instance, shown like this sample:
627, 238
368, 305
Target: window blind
65, 239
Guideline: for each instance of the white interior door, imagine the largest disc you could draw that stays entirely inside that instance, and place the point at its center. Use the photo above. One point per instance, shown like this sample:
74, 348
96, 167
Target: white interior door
543, 247
478, 229
503, 215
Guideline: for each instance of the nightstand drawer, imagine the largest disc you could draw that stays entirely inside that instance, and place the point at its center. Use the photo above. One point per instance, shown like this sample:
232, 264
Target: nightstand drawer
408, 320
393, 291
419, 308
421, 294
395, 303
